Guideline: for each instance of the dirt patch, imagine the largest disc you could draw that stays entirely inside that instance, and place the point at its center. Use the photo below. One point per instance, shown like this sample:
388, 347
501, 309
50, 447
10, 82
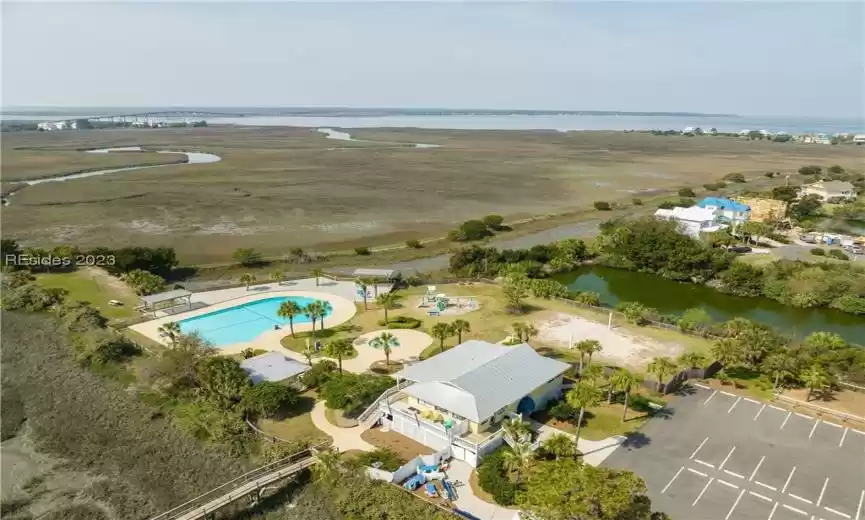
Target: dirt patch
406, 448
562, 330
845, 401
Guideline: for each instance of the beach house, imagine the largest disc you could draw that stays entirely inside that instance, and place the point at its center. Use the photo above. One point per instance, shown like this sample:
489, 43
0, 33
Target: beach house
728, 211
458, 399
828, 190
694, 220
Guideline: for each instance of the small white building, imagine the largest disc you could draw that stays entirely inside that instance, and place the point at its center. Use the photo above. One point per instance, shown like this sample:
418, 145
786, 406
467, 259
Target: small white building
274, 367
830, 190
694, 220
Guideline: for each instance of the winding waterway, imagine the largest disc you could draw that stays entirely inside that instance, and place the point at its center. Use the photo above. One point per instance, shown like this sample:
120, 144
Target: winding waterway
669, 297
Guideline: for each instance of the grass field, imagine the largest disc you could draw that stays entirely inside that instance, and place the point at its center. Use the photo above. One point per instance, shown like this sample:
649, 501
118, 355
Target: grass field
95, 287
278, 188
34, 164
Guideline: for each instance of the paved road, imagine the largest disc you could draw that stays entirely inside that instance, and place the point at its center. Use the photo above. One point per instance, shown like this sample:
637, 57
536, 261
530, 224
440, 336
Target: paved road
577, 230
722, 457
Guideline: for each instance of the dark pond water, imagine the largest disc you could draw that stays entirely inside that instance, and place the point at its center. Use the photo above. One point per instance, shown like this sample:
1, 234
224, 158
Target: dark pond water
615, 285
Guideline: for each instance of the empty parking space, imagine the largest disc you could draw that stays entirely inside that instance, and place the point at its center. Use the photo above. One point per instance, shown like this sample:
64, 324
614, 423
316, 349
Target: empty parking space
737, 458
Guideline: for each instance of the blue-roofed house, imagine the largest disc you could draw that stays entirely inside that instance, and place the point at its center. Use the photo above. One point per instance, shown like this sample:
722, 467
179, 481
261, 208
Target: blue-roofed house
728, 210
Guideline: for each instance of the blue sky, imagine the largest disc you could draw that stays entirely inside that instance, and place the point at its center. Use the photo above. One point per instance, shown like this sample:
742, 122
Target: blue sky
749, 58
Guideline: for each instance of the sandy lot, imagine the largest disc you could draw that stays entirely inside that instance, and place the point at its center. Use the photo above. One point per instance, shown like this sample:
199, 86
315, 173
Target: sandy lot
618, 348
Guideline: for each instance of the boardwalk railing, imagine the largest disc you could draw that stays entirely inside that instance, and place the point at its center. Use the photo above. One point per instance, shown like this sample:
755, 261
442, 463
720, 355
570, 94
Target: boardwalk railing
241, 486
373, 408
821, 409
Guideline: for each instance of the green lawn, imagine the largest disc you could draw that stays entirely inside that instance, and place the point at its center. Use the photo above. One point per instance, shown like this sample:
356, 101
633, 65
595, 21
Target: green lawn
96, 288
296, 424
605, 420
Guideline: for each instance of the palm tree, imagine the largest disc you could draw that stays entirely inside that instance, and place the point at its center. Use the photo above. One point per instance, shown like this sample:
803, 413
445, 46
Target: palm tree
517, 429
325, 308
374, 283
288, 310
519, 329
441, 331
726, 351
779, 366
338, 349
385, 341
387, 301
530, 330
690, 360
317, 273
312, 311
459, 327
560, 445
814, 378
587, 347
308, 353
170, 331
625, 381
361, 284
662, 367
517, 459
277, 276
582, 396
247, 279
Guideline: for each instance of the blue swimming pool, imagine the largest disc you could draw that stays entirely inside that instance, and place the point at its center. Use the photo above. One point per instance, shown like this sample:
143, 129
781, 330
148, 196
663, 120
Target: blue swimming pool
243, 322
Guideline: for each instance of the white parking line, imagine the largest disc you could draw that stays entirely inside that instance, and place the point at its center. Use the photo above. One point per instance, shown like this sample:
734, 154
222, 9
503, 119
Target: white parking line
789, 477
839, 513
797, 497
692, 470
721, 481
757, 468
736, 503
859, 509
822, 491
777, 408
804, 416
791, 508
761, 497
785, 420
727, 471
833, 424
670, 483
773, 511
843, 436
761, 411
728, 394
698, 448
704, 387
752, 400
698, 461
710, 398
726, 458
813, 429
767, 486
860, 432
734, 405
709, 483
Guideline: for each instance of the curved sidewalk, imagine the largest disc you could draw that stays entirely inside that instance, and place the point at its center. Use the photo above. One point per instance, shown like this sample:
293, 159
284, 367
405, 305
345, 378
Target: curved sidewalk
344, 439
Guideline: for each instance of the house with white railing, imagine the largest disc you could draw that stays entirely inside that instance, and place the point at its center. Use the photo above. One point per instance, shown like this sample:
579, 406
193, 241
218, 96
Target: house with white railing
458, 399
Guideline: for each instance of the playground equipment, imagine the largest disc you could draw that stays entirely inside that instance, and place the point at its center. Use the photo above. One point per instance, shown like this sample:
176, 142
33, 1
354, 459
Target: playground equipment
413, 483
430, 490
438, 303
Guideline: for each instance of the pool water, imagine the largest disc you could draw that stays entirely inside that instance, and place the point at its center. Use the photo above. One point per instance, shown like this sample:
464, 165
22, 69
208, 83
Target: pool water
243, 322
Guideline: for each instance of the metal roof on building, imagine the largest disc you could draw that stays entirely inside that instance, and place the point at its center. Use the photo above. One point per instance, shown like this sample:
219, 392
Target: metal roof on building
273, 367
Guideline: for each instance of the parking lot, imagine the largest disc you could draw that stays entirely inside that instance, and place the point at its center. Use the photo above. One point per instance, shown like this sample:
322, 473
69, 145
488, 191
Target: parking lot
718, 456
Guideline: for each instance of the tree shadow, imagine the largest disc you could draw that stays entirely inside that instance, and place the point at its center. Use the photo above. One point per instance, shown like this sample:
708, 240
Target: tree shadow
684, 389
303, 405
636, 440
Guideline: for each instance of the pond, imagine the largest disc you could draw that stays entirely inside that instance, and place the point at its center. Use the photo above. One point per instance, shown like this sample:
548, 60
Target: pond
669, 297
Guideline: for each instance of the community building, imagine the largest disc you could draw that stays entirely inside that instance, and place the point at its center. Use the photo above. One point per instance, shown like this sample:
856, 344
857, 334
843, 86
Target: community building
694, 220
459, 398
728, 210
274, 367
827, 190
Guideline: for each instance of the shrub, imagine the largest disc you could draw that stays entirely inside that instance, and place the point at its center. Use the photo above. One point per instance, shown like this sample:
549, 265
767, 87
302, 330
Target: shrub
735, 177
266, 398
362, 251
401, 322
769, 174
687, 192
469, 230
389, 459
602, 205
835, 169
319, 374
493, 221
352, 392
247, 256
562, 411
837, 253
493, 479
637, 202
635, 312
818, 251
413, 244
810, 170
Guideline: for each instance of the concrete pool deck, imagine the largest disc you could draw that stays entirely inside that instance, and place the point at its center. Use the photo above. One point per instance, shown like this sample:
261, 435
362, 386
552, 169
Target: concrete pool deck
343, 310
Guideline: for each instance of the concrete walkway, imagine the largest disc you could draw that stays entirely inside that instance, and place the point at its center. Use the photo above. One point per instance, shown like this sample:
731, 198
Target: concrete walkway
411, 344
594, 452
344, 439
